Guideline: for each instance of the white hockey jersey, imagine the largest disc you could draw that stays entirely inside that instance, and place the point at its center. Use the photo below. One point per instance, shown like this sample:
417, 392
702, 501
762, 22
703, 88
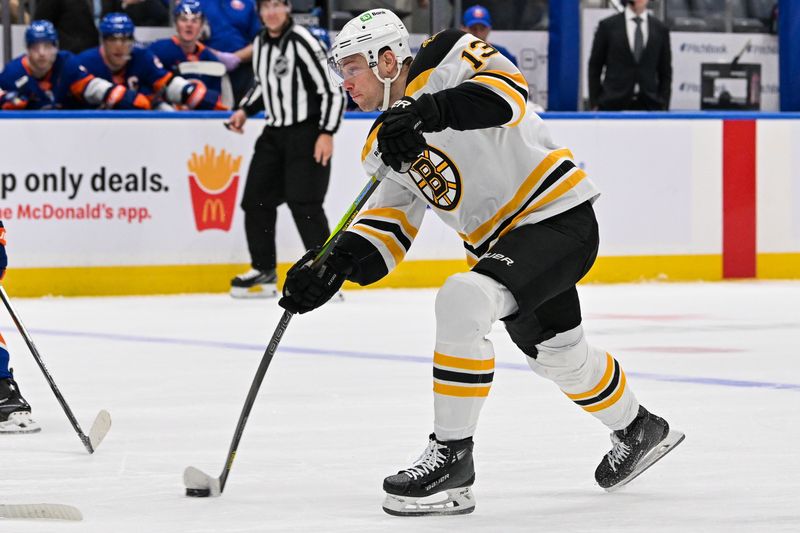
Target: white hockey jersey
483, 183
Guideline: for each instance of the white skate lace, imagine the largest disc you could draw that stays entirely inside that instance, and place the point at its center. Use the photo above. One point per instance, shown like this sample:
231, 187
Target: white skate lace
430, 459
250, 274
618, 453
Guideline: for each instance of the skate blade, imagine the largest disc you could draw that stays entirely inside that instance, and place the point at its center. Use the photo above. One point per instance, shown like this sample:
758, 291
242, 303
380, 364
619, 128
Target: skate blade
661, 449
456, 501
19, 422
259, 291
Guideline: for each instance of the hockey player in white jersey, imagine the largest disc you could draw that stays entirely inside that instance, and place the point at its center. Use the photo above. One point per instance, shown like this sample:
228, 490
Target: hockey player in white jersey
485, 164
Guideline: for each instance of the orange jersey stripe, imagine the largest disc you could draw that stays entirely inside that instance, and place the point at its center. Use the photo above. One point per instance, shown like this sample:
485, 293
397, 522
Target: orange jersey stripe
462, 363
397, 251
461, 392
396, 214
609, 401
602, 384
522, 193
576, 177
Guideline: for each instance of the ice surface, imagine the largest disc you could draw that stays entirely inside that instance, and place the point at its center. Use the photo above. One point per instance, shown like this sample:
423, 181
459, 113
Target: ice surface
347, 401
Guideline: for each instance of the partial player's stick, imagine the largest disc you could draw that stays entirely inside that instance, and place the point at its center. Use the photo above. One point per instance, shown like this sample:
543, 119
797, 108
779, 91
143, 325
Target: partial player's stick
102, 423
200, 484
204, 68
48, 511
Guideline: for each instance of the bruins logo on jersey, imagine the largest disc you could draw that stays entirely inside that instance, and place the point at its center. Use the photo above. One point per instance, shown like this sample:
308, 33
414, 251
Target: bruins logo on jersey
438, 178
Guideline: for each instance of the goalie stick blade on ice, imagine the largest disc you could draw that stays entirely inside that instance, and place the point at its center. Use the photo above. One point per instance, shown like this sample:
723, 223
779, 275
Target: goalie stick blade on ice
46, 511
205, 68
199, 484
99, 429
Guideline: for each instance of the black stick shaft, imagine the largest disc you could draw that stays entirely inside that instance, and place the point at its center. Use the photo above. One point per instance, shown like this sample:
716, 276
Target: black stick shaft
266, 359
48, 377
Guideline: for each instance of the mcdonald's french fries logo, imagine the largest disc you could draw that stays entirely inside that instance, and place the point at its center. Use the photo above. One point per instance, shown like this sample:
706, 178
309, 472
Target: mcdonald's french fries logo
213, 183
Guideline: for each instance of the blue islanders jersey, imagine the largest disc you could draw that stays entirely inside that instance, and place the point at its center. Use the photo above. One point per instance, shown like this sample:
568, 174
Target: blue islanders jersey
232, 24
143, 73
66, 85
171, 55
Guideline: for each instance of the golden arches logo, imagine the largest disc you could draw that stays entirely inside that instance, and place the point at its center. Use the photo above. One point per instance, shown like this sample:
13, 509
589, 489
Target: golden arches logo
213, 182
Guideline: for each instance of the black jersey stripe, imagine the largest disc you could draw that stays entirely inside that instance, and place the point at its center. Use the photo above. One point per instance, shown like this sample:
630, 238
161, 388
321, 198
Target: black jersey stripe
462, 377
508, 81
548, 182
608, 391
390, 227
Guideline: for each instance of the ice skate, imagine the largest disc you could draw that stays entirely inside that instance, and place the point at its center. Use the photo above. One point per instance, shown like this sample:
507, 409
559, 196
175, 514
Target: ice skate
255, 284
437, 484
646, 440
15, 412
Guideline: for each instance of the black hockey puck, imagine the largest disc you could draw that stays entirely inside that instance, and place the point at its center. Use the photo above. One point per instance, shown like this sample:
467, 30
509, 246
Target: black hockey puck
198, 493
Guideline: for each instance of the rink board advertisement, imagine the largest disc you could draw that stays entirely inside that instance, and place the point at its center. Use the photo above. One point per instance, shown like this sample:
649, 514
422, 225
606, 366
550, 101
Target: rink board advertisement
160, 193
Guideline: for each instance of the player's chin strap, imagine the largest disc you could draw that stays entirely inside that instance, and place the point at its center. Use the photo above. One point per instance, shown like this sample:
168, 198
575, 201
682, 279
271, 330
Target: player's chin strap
387, 86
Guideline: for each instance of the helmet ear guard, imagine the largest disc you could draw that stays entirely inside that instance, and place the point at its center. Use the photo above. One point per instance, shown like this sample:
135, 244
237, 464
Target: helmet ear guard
368, 34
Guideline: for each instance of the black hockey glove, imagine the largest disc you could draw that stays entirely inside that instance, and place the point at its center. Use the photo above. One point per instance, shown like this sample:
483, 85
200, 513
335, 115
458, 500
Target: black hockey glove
400, 138
307, 289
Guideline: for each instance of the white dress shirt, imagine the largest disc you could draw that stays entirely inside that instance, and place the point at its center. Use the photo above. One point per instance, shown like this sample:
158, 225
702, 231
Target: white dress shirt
630, 25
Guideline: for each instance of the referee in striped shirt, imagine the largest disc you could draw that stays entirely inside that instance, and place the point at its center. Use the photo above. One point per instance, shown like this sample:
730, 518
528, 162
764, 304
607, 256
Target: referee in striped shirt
291, 160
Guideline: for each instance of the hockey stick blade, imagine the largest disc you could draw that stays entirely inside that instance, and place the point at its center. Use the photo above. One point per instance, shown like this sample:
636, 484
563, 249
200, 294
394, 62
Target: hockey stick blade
204, 68
99, 429
199, 484
46, 511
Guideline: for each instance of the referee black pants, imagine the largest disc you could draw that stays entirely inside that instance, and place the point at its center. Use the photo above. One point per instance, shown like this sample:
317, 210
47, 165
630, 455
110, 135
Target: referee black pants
283, 169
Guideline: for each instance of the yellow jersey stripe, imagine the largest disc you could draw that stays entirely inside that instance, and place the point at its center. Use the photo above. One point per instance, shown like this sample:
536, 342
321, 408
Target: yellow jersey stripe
396, 214
462, 363
561, 189
373, 135
602, 384
397, 251
471, 261
510, 92
515, 77
609, 401
461, 392
523, 192
419, 82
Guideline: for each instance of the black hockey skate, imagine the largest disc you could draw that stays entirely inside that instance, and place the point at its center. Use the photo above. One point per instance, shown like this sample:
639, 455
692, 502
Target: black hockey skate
437, 484
636, 448
255, 284
15, 412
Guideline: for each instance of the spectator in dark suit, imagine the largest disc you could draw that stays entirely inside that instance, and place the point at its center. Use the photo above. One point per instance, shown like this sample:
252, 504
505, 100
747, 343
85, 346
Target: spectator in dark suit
141, 12
634, 49
74, 21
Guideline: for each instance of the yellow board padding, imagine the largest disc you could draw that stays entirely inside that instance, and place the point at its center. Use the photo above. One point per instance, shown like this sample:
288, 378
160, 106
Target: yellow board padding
179, 279
778, 266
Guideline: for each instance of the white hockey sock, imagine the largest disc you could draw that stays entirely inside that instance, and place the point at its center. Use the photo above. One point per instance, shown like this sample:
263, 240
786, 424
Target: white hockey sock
590, 377
463, 364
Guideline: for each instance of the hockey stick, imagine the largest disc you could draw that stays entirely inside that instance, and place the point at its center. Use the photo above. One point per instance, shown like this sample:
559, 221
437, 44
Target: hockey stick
201, 485
102, 423
205, 68
51, 511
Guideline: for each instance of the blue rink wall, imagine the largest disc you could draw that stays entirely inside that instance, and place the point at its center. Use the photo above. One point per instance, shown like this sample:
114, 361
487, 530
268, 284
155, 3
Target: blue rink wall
102, 203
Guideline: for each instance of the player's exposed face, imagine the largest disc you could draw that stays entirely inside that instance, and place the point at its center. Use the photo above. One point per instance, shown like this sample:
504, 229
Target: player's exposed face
274, 14
359, 81
117, 51
481, 31
41, 56
189, 27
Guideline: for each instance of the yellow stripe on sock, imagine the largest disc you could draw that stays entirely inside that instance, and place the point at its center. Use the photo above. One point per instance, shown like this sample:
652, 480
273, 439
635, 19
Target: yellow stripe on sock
462, 392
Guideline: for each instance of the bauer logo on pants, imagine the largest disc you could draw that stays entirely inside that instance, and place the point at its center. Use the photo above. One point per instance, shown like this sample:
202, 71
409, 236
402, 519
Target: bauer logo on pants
213, 182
